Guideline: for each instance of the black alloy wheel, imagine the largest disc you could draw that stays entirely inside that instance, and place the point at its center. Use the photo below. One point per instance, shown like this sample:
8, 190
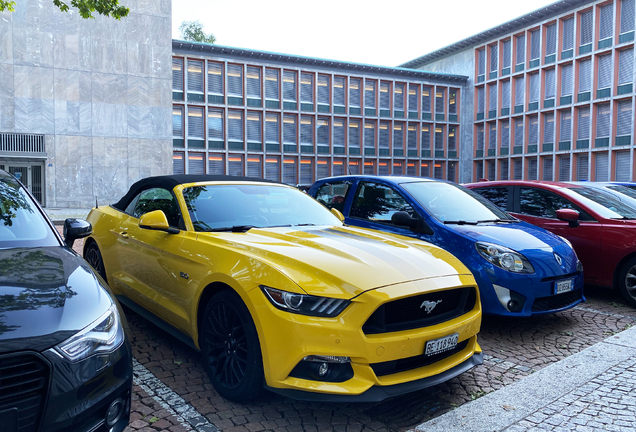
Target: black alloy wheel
627, 281
230, 347
93, 256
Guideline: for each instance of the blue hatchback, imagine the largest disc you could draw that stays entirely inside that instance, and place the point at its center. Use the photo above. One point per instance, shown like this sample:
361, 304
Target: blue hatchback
521, 269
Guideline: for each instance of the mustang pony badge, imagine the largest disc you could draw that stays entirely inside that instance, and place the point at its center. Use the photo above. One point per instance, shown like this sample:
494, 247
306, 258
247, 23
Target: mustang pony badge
429, 305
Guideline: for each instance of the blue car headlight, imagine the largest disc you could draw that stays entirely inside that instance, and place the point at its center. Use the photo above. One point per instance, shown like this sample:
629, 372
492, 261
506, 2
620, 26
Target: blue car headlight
504, 257
304, 304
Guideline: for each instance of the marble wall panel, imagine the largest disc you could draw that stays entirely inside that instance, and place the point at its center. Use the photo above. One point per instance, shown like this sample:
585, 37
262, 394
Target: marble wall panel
34, 115
34, 82
73, 118
6, 37
151, 7
108, 56
109, 120
109, 88
7, 114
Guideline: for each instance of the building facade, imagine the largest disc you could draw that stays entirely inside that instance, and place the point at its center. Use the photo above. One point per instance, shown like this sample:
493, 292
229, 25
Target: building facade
85, 104
297, 119
552, 93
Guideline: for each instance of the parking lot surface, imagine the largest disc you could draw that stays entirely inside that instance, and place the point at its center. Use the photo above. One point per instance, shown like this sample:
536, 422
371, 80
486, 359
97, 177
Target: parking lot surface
172, 392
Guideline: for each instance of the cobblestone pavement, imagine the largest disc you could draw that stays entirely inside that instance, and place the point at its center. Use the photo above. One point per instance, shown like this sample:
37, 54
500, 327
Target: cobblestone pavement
514, 349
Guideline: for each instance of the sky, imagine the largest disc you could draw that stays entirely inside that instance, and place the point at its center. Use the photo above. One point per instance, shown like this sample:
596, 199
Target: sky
382, 33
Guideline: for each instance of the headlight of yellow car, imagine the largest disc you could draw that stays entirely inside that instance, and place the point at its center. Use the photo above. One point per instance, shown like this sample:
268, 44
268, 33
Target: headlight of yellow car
304, 304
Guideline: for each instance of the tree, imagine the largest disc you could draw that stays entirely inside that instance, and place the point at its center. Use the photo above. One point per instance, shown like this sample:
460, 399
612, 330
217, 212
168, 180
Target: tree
193, 31
85, 8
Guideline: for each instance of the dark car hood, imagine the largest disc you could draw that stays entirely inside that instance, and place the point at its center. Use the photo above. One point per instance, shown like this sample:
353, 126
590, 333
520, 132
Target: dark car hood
46, 295
517, 236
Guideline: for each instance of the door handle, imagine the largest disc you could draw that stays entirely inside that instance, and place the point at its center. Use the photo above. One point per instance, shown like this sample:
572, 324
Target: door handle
124, 234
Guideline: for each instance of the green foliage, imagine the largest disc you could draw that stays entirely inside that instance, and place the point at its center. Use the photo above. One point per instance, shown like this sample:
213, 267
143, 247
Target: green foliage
110, 8
193, 31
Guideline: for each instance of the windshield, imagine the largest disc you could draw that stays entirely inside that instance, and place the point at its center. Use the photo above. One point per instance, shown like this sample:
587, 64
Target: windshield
451, 203
604, 203
219, 207
630, 192
21, 223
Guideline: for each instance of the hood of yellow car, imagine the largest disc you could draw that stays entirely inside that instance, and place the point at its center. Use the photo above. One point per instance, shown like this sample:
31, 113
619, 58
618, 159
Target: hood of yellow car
342, 261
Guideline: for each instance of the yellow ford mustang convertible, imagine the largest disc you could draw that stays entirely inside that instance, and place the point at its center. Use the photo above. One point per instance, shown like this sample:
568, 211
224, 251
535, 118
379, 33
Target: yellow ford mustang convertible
276, 292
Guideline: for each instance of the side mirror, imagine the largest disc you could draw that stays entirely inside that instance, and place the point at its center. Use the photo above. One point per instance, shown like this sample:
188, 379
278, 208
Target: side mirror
416, 224
569, 215
156, 220
337, 213
75, 229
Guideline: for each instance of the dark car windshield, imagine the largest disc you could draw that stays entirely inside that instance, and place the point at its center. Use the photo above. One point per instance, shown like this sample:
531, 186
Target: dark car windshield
21, 223
451, 203
242, 206
604, 203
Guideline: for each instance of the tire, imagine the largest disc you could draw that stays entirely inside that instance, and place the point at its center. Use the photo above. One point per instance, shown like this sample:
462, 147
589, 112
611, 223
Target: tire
93, 256
627, 281
230, 347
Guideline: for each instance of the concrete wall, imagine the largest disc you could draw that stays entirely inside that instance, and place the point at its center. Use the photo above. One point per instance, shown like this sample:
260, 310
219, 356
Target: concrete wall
462, 63
99, 89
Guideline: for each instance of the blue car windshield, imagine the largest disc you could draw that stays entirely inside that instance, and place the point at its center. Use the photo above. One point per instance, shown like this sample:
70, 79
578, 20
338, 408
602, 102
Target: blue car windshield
239, 207
604, 203
451, 203
630, 192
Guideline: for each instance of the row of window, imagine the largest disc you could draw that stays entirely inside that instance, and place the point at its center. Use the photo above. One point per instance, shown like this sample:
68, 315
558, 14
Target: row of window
531, 86
560, 127
558, 36
597, 166
305, 170
248, 85
218, 128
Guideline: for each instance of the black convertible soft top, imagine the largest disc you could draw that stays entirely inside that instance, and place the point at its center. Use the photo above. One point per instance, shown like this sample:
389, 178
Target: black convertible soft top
170, 181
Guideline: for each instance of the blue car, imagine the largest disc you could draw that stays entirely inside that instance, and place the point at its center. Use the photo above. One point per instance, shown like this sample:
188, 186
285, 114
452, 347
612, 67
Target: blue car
521, 269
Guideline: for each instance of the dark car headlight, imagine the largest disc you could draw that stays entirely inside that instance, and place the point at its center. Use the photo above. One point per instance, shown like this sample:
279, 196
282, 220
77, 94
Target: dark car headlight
304, 304
101, 336
504, 258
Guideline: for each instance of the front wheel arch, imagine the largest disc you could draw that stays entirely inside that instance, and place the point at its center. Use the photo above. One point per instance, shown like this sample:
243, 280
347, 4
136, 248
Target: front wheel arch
626, 266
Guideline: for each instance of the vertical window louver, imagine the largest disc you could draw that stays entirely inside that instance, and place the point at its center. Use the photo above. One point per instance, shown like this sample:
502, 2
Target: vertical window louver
398, 97
504, 169
452, 101
235, 166
507, 54
587, 28
216, 164
289, 171
369, 93
215, 78
603, 121
354, 92
505, 134
481, 100
520, 90
548, 128
626, 66
385, 95
551, 41
253, 82
385, 135
307, 130
354, 133
235, 125
413, 97
585, 76
215, 124
323, 131
535, 44
568, 34
306, 171
338, 167
272, 128
177, 74
518, 169
604, 71
582, 163
491, 170
177, 122
534, 87
518, 132
322, 169
398, 136
195, 76
323, 89
606, 21
195, 122
567, 80
235, 80
566, 125
196, 163
254, 167
307, 88
533, 129
494, 58
426, 137
602, 167
426, 99
492, 136
439, 137
439, 101
289, 129
480, 137
452, 138
411, 137
548, 167
627, 16
622, 166
532, 169
289, 86
550, 84
338, 132
564, 168
369, 134
624, 118
271, 84
481, 62
521, 49
492, 90
339, 91
505, 94
583, 126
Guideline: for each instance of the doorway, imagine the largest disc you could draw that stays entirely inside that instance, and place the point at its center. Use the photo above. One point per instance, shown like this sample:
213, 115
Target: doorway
29, 174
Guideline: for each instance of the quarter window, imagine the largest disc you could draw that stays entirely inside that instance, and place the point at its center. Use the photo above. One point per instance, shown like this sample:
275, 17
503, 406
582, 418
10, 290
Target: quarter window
496, 195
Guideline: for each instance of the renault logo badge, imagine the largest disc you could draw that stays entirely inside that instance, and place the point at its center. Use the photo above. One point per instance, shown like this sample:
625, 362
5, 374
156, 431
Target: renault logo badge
558, 258
429, 305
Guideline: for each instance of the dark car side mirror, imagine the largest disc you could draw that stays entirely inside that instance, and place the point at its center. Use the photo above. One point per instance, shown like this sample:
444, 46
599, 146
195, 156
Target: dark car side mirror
416, 224
569, 215
156, 220
75, 229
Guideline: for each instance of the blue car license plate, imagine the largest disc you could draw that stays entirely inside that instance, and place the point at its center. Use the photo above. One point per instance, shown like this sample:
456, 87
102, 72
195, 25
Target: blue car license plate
563, 286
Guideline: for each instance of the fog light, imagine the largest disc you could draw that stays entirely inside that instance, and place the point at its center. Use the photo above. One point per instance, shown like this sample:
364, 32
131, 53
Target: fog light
512, 305
323, 369
115, 410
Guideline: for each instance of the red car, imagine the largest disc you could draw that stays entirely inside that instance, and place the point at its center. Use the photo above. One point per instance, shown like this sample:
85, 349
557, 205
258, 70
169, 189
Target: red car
601, 228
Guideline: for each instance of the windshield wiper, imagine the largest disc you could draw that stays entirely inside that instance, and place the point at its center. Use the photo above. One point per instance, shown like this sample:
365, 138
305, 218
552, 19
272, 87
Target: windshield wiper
304, 224
235, 228
498, 221
460, 222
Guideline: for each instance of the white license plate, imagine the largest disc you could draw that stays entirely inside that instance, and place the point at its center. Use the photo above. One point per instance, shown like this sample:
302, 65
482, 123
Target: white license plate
563, 286
442, 344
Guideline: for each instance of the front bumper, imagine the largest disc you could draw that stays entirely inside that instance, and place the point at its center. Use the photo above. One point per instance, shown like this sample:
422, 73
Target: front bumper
287, 338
